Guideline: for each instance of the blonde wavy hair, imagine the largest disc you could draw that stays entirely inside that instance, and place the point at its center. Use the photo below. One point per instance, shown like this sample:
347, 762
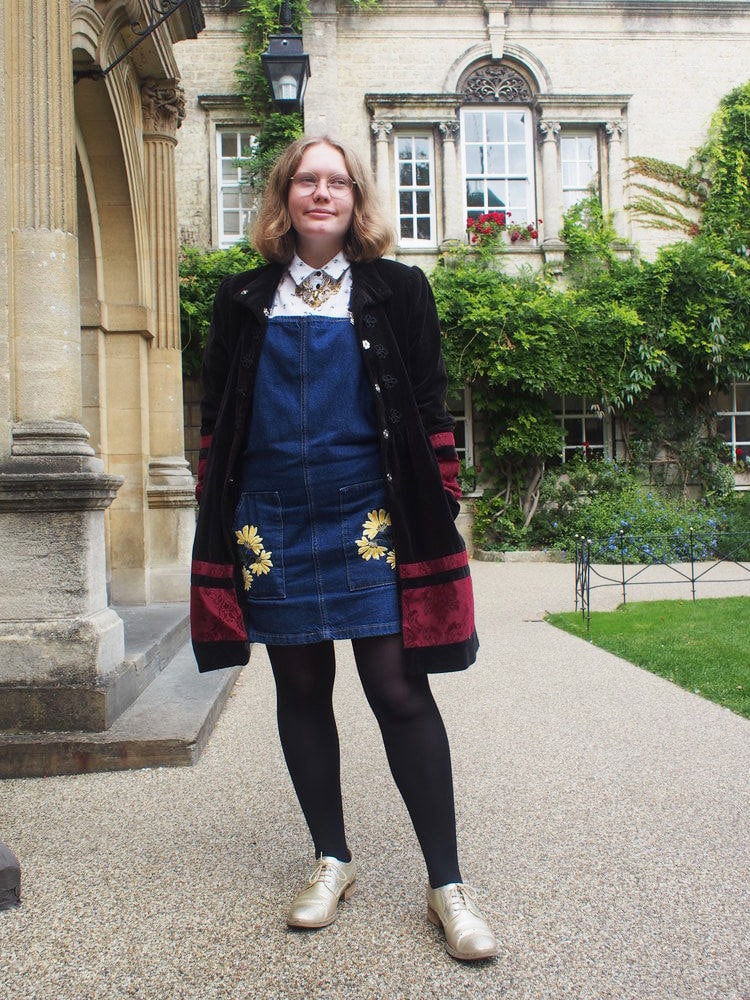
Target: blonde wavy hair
368, 236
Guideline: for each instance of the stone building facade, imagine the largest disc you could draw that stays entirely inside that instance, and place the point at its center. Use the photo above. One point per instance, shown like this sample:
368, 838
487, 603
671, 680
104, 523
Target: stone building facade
463, 106
96, 498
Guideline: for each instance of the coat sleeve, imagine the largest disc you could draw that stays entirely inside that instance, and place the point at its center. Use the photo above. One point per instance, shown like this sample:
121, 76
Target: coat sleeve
217, 358
430, 382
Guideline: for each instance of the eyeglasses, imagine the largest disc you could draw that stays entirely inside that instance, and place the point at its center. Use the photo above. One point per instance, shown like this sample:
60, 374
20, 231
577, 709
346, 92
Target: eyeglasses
338, 185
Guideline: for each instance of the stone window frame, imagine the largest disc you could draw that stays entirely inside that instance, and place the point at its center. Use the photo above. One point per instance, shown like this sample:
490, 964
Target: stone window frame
464, 417
580, 189
575, 410
223, 112
245, 207
528, 180
415, 188
604, 114
728, 417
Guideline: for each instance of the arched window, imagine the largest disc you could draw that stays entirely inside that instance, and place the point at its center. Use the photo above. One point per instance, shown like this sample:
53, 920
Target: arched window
497, 142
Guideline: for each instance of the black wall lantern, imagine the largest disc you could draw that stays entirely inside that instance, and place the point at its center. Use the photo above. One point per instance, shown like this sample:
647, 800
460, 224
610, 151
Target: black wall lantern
286, 65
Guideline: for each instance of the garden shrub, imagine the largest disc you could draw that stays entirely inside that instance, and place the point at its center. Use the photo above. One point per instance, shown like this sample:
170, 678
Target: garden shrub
625, 517
201, 273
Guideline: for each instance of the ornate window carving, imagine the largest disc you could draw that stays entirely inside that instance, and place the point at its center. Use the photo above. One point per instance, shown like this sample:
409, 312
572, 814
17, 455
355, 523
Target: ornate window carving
496, 84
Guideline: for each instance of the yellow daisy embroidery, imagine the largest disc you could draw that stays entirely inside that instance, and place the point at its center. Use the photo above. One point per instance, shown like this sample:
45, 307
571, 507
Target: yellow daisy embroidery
391, 558
369, 549
377, 521
262, 564
248, 537
247, 578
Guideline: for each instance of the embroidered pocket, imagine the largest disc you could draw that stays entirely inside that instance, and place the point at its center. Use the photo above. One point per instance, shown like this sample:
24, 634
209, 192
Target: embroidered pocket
259, 536
367, 536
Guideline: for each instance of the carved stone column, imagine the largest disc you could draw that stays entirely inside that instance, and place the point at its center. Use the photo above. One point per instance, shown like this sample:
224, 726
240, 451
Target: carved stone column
170, 484
62, 647
382, 132
549, 132
453, 201
616, 181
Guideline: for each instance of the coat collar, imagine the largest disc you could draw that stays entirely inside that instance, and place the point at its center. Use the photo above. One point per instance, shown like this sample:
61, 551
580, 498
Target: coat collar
256, 289
368, 286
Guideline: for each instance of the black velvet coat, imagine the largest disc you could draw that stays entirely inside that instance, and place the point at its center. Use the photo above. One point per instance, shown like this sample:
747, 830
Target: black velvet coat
396, 324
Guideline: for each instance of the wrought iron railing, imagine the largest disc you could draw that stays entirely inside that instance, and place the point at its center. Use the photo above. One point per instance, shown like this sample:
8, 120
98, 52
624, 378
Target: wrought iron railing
702, 555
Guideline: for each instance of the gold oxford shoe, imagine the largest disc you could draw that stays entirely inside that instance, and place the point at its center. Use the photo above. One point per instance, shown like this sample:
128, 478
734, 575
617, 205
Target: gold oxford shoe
316, 905
467, 935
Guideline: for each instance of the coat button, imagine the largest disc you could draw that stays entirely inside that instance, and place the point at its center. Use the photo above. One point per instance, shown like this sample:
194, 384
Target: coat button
376, 387
366, 344
386, 433
389, 477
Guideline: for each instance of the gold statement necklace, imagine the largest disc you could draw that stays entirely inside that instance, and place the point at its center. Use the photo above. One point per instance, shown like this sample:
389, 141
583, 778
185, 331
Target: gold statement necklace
318, 288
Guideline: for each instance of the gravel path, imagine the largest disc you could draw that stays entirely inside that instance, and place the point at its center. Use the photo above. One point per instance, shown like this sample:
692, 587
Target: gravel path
603, 818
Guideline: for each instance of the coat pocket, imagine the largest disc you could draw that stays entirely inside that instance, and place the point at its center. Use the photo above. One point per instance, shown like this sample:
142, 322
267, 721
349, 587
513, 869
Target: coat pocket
259, 536
367, 536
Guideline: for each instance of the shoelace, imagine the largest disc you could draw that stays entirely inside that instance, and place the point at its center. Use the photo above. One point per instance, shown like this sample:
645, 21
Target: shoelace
461, 897
326, 873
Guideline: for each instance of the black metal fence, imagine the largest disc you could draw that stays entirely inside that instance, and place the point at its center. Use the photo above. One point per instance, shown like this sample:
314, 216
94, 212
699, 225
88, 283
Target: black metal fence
699, 556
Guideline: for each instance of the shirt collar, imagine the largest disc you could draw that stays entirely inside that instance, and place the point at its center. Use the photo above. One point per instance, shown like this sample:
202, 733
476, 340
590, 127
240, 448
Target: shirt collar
335, 268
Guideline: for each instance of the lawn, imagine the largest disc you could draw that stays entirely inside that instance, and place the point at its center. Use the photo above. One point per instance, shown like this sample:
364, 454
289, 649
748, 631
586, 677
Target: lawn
703, 646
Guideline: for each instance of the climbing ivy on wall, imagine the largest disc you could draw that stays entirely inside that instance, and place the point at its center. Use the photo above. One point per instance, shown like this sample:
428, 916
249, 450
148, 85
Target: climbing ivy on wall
616, 332
727, 157
260, 21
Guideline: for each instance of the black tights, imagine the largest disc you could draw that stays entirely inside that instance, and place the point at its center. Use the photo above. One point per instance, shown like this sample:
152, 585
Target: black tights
413, 734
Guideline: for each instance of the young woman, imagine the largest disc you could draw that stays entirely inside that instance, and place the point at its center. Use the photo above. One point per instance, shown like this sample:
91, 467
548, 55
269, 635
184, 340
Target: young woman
327, 494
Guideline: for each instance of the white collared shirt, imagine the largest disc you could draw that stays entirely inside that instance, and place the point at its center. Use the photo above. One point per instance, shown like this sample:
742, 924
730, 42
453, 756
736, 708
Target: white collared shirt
287, 303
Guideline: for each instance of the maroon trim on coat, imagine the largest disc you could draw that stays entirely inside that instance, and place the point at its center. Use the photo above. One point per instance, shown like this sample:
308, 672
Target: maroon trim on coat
438, 614
215, 614
212, 569
408, 571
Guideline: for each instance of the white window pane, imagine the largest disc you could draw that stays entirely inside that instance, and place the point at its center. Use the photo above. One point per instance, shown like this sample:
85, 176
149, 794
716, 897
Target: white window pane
474, 160
475, 194
517, 192
424, 230
516, 126
473, 126
422, 148
228, 143
405, 203
496, 162
423, 202
742, 428
228, 170
423, 174
230, 198
496, 194
517, 160
495, 126
407, 229
570, 175
232, 223
405, 174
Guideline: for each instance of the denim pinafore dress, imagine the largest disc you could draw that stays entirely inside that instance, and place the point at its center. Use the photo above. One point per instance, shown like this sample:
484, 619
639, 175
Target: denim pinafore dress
313, 534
